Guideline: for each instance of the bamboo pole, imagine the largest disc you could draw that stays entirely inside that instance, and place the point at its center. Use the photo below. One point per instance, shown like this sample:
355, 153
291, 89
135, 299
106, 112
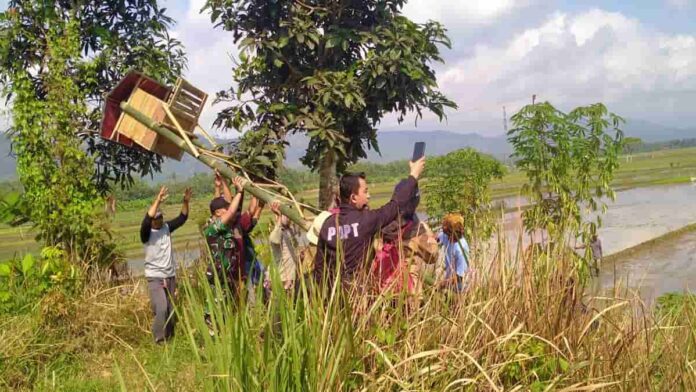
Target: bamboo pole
224, 170
178, 127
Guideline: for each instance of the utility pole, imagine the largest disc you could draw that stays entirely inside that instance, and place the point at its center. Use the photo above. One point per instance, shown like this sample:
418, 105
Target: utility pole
505, 126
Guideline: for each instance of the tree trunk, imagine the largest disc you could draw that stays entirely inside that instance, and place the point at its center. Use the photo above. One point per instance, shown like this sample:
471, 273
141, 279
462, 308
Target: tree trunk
328, 183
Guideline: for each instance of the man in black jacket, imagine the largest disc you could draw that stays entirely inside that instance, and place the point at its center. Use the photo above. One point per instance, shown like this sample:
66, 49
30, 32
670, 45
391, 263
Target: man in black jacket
346, 237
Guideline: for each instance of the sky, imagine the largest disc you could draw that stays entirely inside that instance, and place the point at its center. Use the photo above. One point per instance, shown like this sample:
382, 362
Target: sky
636, 56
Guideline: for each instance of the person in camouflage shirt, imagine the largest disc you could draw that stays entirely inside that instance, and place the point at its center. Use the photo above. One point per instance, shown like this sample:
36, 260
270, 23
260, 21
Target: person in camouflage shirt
224, 236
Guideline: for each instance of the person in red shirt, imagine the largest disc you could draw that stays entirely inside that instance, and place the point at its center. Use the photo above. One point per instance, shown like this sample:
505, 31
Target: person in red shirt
346, 237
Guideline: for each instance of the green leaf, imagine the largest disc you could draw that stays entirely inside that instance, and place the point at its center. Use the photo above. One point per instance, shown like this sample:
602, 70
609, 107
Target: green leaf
27, 264
5, 269
332, 42
278, 63
5, 296
264, 161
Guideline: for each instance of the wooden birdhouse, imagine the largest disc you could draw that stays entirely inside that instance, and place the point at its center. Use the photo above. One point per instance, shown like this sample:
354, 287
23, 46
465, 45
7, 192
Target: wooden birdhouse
177, 109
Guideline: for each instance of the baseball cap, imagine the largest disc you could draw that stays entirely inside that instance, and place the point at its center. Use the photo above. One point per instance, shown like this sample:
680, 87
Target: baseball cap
217, 203
315, 229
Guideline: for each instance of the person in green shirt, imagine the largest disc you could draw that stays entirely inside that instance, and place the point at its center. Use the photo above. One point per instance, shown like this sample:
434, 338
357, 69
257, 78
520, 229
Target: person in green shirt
224, 236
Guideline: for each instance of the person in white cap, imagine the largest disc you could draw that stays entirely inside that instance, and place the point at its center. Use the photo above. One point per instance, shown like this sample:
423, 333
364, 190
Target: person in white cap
160, 266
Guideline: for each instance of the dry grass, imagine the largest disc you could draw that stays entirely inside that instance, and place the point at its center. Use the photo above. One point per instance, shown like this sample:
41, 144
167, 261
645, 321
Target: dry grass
524, 324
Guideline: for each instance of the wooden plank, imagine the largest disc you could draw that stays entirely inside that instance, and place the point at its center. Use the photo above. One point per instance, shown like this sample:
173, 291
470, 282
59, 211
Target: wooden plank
194, 96
178, 111
182, 99
128, 126
188, 98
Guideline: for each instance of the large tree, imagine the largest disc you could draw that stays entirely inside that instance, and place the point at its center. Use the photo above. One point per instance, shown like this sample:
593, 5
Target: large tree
113, 37
327, 69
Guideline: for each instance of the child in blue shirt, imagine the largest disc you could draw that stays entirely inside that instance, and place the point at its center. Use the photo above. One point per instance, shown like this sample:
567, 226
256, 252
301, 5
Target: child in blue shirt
456, 250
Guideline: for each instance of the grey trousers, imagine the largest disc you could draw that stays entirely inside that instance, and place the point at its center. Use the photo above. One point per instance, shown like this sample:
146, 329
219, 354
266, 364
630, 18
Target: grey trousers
161, 296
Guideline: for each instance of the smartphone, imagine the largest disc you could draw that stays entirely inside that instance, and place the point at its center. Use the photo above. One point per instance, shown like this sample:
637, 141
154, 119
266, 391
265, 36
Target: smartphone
418, 151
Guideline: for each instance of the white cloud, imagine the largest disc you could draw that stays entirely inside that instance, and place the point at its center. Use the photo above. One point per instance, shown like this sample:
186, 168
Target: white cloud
460, 11
567, 58
573, 60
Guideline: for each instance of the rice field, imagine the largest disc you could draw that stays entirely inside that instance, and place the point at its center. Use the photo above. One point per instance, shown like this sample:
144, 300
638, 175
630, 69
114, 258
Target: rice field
646, 169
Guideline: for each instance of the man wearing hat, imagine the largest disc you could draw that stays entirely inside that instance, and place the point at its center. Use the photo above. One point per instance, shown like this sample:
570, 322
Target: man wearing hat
160, 266
224, 235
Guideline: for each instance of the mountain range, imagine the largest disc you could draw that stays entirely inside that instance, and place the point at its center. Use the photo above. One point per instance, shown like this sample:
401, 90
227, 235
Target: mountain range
393, 145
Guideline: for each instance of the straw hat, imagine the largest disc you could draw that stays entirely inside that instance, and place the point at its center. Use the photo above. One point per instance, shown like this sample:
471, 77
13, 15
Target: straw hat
315, 229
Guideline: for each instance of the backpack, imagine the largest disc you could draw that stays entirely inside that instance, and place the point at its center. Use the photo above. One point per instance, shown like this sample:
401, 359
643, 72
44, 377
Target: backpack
388, 270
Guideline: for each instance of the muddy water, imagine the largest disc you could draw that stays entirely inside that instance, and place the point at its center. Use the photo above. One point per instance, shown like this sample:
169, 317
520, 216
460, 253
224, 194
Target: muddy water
665, 267
636, 216
642, 214
639, 215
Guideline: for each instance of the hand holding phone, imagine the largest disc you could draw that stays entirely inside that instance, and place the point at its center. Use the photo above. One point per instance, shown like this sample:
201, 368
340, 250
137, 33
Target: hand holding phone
418, 151
417, 164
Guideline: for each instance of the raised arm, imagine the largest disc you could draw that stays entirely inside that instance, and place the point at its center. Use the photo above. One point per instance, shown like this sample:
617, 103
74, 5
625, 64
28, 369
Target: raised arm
159, 199
258, 208
236, 201
146, 224
388, 212
183, 216
222, 187
218, 184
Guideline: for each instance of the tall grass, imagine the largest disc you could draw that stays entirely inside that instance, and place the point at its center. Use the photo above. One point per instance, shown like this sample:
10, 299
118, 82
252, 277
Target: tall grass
524, 324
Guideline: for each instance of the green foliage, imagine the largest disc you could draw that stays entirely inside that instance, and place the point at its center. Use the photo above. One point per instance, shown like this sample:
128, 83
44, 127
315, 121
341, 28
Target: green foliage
200, 183
382, 172
532, 366
569, 160
56, 173
330, 70
668, 145
459, 182
672, 304
13, 209
23, 282
111, 38
303, 345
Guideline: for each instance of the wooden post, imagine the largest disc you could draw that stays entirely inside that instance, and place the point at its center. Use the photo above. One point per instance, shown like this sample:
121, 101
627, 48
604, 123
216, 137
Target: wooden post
224, 170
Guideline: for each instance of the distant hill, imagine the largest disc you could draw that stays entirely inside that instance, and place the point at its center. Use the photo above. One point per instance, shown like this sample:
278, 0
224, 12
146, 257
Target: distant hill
399, 145
393, 146
651, 132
